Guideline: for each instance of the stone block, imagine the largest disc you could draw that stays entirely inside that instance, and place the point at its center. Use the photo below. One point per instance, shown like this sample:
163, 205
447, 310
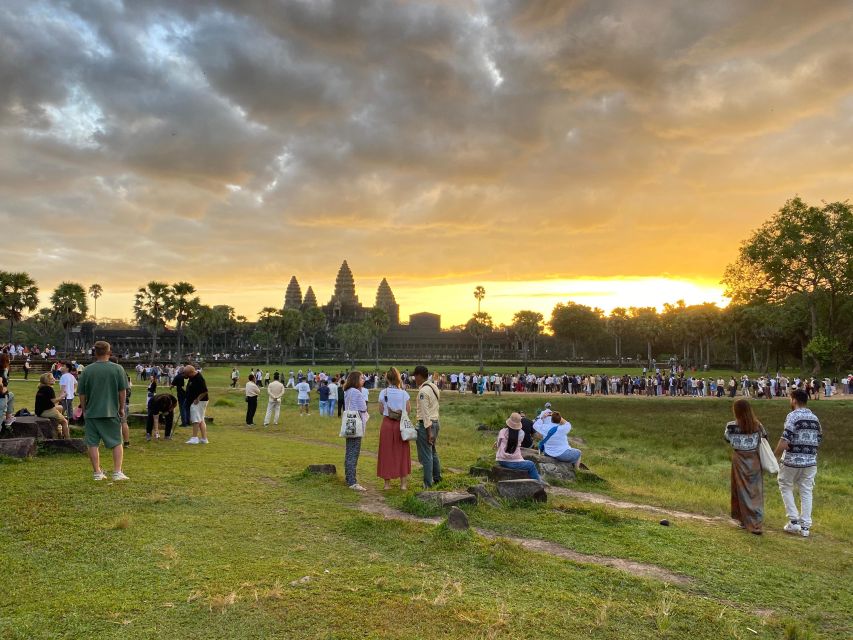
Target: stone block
457, 519
522, 490
498, 473
32, 427
18, 447
59, 445
446, 499
482, 493
323, 469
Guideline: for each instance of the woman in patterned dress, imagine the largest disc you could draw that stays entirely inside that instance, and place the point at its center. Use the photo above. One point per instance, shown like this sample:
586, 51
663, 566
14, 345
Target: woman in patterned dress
744, 434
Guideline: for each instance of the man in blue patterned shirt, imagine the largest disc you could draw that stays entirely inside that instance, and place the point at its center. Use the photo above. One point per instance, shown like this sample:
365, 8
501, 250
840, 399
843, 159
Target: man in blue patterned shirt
800, 442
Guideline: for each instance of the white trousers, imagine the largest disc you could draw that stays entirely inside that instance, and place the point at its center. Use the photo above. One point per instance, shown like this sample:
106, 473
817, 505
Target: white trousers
803, 479
272, 406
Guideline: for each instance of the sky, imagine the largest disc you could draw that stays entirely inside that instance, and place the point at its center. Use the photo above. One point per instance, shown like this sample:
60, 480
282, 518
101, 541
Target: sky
601, 151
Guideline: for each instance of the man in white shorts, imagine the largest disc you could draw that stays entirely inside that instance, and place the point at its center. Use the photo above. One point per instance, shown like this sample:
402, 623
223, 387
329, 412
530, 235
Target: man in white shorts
196, 399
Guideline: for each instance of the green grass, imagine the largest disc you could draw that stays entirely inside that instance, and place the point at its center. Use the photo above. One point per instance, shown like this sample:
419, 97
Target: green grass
234, 540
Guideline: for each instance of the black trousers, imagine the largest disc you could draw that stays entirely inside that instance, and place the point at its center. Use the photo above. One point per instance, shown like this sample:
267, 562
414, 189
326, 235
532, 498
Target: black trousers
251, 408
167, 418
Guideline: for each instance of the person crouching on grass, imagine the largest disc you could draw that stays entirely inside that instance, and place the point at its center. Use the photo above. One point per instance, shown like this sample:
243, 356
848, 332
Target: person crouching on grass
161, 410
102, 389
196, 399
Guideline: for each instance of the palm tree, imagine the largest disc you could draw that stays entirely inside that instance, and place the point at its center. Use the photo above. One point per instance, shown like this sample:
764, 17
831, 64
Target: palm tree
378, 322
479, 293
480, 325
152, 307
69, 306
527, 325
183, 309
96, 291
268, 328
18, 293
289, 327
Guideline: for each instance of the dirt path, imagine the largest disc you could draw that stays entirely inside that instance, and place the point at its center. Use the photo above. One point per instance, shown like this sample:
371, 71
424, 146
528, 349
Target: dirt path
596, 498
374, 503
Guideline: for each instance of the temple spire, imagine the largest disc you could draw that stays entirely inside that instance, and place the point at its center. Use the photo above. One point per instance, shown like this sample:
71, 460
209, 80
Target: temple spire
345, 287
310, 299
385, 300
293, 296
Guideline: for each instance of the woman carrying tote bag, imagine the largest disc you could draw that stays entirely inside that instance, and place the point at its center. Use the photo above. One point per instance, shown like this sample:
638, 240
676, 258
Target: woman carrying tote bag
744, 434
395, 458
354, 401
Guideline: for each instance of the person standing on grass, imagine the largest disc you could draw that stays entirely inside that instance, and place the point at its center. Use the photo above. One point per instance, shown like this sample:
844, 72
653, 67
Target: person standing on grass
508, 447
235, 376
161, 410
744, 434
27, 366
333, 395
252, 393
354, 401
428, 426
68, 388
178, 383
798, 447
303, 396
46, 402
323, 393
341, 382
197, 398
395, 458
7, 402
275, 392
102, 389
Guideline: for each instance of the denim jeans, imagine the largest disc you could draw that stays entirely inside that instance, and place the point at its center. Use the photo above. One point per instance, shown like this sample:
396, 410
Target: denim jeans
427, 455
324, 408
525, 465
570, 455
7, 405
184, 408
332, 403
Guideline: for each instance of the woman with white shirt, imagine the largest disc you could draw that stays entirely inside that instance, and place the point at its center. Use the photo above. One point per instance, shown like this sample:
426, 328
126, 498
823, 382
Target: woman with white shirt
395, 459
557, 443
354, 401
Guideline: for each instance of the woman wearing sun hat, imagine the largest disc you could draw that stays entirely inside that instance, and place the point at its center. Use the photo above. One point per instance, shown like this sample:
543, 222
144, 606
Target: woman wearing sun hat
509, 448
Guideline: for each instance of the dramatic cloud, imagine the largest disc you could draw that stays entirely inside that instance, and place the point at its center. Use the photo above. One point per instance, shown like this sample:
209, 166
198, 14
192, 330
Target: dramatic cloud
233, 143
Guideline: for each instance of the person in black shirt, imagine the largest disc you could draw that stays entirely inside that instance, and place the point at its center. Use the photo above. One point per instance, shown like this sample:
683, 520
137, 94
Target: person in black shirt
196, 403
46, 403
178, 384
527, 430
161, 408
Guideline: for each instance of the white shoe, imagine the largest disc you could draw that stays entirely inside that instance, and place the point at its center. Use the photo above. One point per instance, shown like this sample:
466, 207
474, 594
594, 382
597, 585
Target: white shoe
118, 475
792, 527
357, 487
10, 421
202, 441
804, 531
99, 475
192, 441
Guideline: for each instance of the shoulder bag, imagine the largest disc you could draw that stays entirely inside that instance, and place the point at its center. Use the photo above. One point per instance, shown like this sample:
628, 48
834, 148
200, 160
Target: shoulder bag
768, 460
407, 429
393, 414
351, 425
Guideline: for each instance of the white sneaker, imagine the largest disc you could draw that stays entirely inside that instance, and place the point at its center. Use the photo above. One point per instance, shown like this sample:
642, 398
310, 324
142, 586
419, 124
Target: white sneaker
10, 421
792, 527
99, 475
202, 441
804, 531
118, 475
192, 441
357, 487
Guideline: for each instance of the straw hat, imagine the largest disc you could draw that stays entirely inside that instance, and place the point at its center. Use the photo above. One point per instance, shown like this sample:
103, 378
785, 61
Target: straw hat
514, 421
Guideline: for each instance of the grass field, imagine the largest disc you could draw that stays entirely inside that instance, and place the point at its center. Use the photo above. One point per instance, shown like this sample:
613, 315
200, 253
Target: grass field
233, 540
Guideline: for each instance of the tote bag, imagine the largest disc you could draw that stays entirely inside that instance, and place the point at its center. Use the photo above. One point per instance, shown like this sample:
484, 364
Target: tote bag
407, 429
351, 425
768, 460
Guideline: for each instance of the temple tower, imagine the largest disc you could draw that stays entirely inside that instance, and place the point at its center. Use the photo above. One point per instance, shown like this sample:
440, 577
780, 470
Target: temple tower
385, 300
310, 299
293, 296
344, 288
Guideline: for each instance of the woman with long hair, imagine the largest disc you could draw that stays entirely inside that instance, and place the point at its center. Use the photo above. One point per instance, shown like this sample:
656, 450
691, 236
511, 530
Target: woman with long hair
508, 447
744, 434
395, 458
354, 401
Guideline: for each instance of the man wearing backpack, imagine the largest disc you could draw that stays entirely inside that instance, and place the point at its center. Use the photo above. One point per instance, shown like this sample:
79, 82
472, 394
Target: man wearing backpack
428, 426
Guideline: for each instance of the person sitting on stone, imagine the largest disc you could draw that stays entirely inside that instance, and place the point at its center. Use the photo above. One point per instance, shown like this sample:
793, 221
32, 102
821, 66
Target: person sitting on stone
554, 430
46, 403
508, 448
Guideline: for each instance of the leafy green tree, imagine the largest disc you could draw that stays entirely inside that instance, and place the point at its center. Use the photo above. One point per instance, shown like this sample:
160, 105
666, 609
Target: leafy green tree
377, 321
41, 328
95, 291
313, 323
152, 306
353, 338
527, 327
647, 324
69, 307
617, 326
224, 324
289, 329
267, 330
572, 322
480, 325
201, 327
18, 293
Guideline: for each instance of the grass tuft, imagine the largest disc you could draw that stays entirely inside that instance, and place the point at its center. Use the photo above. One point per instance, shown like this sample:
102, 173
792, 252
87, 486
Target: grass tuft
221, 603
416, 507
122, 522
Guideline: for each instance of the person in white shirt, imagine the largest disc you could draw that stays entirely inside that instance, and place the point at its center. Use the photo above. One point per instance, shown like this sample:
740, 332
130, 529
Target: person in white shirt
394, 460
68, 386
303, 391
365, 391
291, 384
333, 396
557, 443
275, 391
252, 393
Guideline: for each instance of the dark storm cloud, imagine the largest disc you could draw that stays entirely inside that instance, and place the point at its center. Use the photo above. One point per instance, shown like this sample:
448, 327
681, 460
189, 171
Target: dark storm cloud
299, 131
